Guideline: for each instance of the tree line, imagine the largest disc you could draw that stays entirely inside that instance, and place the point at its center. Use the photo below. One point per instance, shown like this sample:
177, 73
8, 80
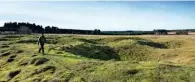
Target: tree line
54, 29
14, 26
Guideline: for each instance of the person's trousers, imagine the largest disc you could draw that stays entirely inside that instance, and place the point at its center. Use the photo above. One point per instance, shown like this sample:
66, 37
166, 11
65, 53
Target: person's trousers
41, 48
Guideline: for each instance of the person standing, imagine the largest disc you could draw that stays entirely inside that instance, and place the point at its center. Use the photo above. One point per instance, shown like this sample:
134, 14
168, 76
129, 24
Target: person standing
41, 42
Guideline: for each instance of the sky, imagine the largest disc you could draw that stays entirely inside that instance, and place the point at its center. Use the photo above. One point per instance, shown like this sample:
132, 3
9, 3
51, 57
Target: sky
103, 15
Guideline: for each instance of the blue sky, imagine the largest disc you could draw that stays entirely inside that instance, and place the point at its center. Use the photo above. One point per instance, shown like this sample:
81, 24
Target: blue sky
126, 15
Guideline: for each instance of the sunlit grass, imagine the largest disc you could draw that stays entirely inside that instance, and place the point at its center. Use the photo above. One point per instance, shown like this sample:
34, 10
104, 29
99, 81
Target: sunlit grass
81, 58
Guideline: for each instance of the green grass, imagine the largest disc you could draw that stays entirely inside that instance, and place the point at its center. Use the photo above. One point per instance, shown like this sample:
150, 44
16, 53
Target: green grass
96, 58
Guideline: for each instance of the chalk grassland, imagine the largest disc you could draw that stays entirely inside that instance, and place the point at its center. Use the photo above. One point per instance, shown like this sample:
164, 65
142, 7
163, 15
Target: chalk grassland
98, 58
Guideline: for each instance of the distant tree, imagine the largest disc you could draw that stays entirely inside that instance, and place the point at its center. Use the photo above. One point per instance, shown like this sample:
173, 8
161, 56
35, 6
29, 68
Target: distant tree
48, 29
96, 31
14, 26
54, 29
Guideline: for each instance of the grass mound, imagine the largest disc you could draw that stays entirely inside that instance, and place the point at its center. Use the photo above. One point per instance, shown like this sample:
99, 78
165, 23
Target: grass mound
4, 46
11, 58
132, 72
173, 44
130, 50
92, 51
28, 41
5, 53
12, 74
172, 73
4, 39
151, 44
38, 61
23, 62
44, 69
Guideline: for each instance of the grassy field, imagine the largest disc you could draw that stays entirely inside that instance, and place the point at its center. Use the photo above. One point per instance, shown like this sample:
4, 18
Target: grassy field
98, 58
